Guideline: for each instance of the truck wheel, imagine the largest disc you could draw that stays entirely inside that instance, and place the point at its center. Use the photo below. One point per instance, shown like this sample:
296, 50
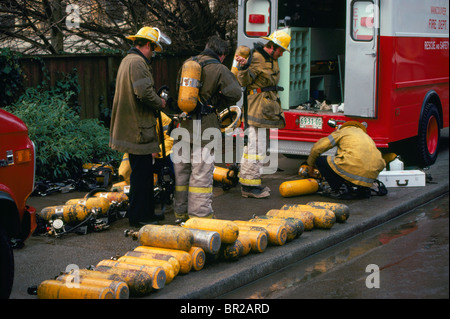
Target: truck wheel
429, 135
6, 266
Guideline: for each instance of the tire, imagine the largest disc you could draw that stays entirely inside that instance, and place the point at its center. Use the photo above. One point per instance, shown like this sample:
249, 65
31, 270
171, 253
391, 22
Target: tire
6, 266
428, 136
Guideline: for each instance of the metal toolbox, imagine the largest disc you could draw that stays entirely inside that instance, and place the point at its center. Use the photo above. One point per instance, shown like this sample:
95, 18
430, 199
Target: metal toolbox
406, 178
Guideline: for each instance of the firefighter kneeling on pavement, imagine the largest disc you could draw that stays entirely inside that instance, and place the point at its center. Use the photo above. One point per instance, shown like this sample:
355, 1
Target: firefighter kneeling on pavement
217, 87
356, 164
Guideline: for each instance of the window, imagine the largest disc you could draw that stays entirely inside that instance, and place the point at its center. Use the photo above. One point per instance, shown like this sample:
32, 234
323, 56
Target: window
362, 23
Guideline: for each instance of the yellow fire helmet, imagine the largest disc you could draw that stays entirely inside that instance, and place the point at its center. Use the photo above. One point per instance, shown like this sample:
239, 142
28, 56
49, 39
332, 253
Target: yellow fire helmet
280, 38
152, 34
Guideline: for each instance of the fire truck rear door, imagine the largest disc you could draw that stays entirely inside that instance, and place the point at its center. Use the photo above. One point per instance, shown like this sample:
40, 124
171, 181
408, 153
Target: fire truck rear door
361, 56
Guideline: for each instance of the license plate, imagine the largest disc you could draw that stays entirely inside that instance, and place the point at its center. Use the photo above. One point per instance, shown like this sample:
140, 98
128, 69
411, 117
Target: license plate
311, 122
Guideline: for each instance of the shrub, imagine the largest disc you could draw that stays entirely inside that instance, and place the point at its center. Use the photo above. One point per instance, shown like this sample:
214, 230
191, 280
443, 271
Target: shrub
64, 142
10, 76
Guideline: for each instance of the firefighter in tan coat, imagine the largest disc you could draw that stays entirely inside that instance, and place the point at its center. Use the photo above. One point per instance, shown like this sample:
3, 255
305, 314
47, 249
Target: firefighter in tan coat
133, 121
194, 168
260, 75
356, 164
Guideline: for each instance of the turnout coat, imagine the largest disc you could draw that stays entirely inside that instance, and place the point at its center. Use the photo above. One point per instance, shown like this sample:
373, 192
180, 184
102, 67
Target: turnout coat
357, 159
264, 107
133, 121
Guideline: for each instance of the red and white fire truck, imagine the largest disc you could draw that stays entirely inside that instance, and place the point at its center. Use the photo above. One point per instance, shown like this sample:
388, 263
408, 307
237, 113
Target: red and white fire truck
384, 62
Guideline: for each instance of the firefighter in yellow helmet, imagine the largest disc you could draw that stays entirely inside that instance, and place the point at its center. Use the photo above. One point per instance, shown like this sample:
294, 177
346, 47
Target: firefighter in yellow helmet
133, 122
260, 75
356, 165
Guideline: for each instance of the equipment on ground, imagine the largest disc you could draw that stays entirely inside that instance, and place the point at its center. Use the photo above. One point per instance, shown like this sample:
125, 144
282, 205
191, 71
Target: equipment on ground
299, 187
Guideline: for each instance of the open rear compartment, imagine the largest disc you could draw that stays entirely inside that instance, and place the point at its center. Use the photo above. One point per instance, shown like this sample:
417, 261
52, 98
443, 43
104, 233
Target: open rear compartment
312, 73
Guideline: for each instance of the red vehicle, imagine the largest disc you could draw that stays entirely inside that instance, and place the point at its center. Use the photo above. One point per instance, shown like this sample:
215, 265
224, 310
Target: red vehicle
382, 62
17, 171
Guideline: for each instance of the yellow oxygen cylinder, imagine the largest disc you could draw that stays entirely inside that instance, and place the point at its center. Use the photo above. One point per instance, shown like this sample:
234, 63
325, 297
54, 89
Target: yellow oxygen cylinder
100, 203
299, 187
277, 234
296, 222
113, 197
291, 229
243, 51
117, 285
68, 213
323, 218
258, 239
156, 273
191, 73
139, 282
222, 175
183, 257
228, 231
55, 289
198, 257
305, 216
174, 262
240, 247
163, 236
168, 269
341, 211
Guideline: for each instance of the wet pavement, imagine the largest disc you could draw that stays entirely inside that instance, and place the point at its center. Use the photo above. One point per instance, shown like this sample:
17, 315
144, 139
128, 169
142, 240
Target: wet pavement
410, 255
45, 257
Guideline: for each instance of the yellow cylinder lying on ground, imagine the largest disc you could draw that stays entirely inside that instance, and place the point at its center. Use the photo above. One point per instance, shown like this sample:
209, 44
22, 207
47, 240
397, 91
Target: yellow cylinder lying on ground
68, 213
240, 247
164, 236
258, 239
299, 187
100, 203
299, 226
173, 261
228, 231
277, 234
198, 257
323, 218
222, 175
209, 241
117, 285
113, 197
168, 269
139, 282
156, 273
183, 257
341, 211
305, 216
243, 51
291, 229
191, 72
55, 289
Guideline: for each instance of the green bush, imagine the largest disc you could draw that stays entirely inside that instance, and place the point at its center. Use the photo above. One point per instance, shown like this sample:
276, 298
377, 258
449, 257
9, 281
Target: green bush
64, 142
10, 76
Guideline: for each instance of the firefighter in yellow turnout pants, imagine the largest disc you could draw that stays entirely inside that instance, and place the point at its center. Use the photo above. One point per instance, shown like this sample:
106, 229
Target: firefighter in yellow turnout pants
260, 75
194, 168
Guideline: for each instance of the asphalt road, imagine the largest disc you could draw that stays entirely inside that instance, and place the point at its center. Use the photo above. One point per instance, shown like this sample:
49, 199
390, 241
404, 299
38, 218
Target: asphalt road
405, 258
44, 257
